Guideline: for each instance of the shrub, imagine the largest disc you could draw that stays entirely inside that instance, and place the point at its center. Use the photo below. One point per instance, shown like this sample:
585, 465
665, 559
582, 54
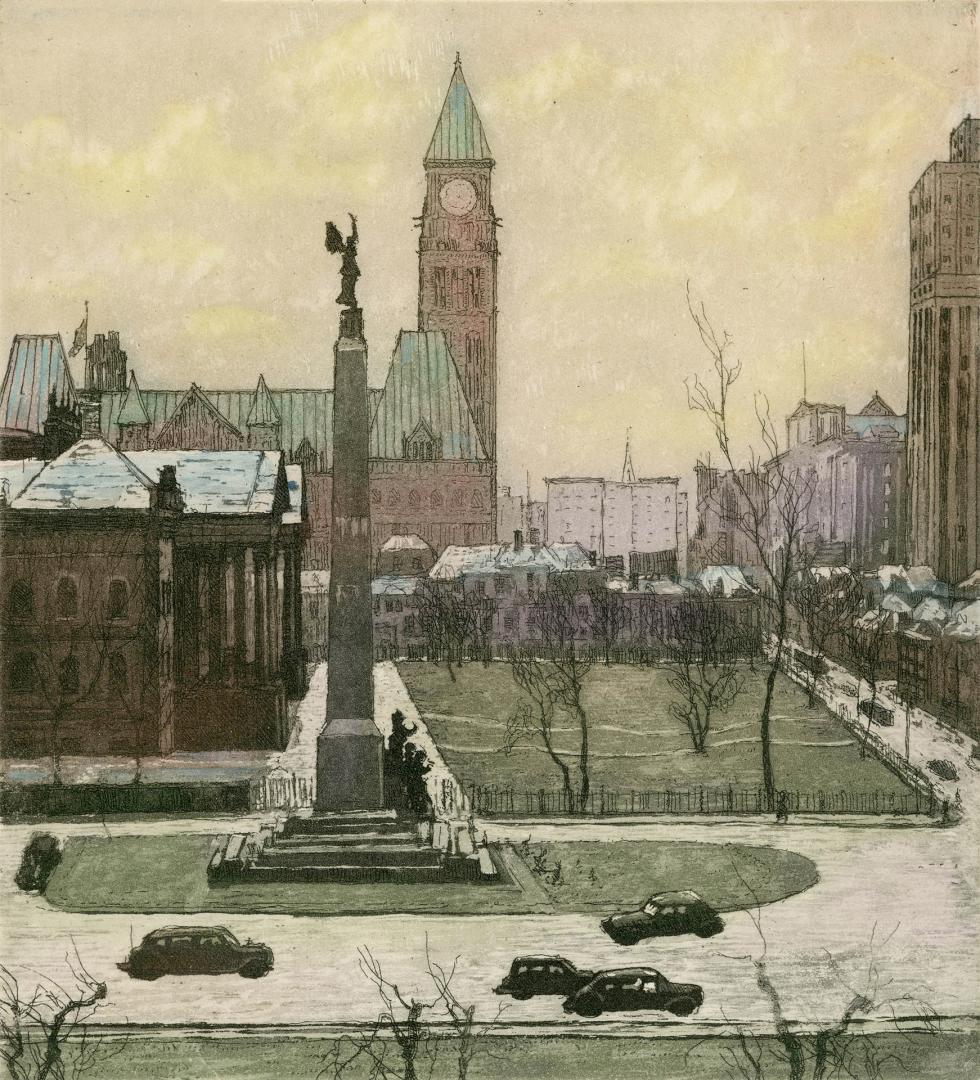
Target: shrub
944, 769
41, 855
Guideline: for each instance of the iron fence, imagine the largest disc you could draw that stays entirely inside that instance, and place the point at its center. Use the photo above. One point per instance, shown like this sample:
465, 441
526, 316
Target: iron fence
489, 801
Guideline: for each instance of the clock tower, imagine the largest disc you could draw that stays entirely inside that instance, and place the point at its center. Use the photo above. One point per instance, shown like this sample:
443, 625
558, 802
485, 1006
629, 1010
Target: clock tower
458, 253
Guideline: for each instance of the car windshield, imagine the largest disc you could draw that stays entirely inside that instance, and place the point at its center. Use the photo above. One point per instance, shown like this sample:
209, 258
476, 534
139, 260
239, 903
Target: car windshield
651, 909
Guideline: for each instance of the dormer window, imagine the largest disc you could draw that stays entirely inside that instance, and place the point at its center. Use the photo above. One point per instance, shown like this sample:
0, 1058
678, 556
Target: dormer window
421, 445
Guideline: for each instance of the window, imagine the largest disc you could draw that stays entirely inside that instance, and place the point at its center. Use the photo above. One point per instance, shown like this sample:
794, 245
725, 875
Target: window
376, 496
21, 674
436, 499
476, 500
389, 604
118, 599
413, 498
409, 625
457, 500
510, 620
117, 673
68, 676
20, 601
439, 286
66, 598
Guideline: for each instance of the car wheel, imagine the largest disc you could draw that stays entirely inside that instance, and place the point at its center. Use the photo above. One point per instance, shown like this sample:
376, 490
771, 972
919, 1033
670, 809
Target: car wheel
683, 1008
520, 995
145, 976
710, 930
589, 1008
254, 971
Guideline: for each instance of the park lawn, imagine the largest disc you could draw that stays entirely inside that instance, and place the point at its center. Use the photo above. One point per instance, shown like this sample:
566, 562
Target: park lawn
635, 743
591, 1056
626, 873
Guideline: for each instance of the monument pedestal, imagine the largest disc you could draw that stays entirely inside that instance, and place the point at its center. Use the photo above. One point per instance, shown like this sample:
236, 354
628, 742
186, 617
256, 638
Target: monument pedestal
350, 766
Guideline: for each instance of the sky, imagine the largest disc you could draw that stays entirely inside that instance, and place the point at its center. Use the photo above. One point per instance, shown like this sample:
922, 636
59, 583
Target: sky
173, 164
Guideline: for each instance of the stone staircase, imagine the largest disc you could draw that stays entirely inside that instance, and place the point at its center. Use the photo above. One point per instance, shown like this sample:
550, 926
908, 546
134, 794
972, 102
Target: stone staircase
354, 847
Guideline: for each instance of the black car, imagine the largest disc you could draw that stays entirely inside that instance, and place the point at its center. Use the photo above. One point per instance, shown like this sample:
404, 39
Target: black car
533, 975
630, 989
196, 950
662, 916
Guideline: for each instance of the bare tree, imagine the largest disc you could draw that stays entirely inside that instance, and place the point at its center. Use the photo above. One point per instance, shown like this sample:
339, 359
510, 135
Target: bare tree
452, 622
469, 1034
533, 720
610, 617
563, 622
701, 649
829, 1049
771, 505
401, 1025
37, 1030
826, 607
871, 641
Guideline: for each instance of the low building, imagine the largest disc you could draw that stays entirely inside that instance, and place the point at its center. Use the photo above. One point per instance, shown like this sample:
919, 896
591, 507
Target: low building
150, 602
397, 627
405, 555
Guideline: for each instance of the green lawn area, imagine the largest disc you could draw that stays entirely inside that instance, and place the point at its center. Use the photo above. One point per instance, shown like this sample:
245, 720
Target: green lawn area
635, 744
625, 873
168, 874
574, 1057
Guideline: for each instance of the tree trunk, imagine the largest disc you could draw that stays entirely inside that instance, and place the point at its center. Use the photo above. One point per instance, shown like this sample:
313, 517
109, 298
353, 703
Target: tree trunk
583, 756
768, 783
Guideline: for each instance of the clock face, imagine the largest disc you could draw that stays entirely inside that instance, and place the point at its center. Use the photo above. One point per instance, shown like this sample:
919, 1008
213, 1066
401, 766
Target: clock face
458, 197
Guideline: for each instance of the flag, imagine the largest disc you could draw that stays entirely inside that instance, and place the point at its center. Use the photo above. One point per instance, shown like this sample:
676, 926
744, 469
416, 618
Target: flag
81, 335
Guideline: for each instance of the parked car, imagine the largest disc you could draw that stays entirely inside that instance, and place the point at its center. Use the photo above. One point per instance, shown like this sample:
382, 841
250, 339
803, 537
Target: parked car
530, 976
630, 989
664, 915
196, 950
878, 715
943, 768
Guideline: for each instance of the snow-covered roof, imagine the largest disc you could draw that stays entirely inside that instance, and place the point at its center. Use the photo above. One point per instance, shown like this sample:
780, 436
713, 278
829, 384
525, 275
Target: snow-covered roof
727, 579
965, 623
664, 587
93, 475
394, 584
457, 560
893, 602
931, 610
16, 475
405, 542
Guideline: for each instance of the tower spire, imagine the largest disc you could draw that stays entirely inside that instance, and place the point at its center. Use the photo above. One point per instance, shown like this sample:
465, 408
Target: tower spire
804, 372
629, 474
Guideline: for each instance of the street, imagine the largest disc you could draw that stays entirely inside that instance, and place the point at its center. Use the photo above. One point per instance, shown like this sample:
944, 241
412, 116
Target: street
912, 892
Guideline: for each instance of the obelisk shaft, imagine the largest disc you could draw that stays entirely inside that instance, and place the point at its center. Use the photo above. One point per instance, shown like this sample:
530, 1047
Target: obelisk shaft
349, 750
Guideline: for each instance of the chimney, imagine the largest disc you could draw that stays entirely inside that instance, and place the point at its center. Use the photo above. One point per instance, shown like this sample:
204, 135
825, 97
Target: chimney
534, 537
518, 540
91, 417
168, 491
592, 558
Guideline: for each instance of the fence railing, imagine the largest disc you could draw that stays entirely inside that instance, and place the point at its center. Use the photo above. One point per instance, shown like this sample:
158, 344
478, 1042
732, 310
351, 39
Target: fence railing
282, 791
486, 801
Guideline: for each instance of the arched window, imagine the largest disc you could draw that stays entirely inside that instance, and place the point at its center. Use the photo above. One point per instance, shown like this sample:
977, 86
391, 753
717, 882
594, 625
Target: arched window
436, 500
413, 498
68, 676
66, 598
21, 674
476, 500
20, 601
393, 497
117, 673
118, 599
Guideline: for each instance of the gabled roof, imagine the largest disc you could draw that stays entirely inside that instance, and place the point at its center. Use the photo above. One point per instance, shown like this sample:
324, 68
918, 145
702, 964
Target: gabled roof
423, 386
132, 411
457, 559
37, 366
877, 406
91, 475
191, 397
405, 542
263, 410
459, 134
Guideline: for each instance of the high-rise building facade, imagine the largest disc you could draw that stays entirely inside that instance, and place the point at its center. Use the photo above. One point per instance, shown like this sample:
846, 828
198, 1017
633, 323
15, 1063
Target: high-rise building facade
944, 357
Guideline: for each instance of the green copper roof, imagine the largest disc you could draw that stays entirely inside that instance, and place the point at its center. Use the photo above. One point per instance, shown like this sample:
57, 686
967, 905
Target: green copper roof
423, 388
263, 410
132, 411
459, 133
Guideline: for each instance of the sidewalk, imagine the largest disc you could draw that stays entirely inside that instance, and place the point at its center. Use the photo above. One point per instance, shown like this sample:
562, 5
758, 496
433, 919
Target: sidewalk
928, 737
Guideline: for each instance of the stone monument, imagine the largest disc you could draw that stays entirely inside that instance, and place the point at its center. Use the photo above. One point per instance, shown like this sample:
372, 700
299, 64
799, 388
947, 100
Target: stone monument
349, 751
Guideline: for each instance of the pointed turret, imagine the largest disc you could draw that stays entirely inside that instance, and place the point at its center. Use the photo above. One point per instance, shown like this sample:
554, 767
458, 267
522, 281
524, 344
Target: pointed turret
459, 133
133, 420
263, 409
